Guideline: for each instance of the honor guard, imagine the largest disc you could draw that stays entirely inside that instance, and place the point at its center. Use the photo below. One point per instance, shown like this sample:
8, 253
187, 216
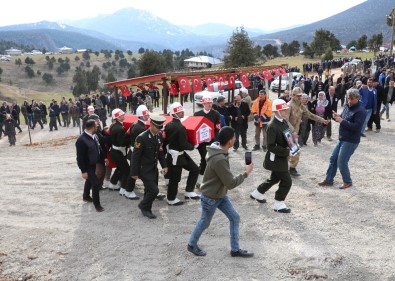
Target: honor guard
214, 117
177, 159
147, 151
120, 141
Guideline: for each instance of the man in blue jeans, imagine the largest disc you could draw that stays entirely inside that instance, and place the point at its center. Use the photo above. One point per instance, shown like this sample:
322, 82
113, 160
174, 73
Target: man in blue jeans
217, 180
368, 96
351, 121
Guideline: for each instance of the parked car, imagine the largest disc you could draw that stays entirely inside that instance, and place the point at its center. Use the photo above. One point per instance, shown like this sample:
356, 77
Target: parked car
4, 58
284, 81
350, 64
199, 95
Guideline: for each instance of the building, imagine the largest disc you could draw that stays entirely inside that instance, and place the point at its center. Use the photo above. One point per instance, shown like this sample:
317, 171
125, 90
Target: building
13, 52
201, 62
65, 50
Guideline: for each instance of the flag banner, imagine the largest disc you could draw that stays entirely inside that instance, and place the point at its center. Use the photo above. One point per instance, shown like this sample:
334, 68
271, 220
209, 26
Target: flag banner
196, 84
231, 81
267, 75
244, 79
173, 90
183, 82
209, 83
125, 91
221, 82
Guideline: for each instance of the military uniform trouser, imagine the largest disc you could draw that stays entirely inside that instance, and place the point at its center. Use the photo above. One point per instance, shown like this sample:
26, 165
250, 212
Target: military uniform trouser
175, 177
122, 166
285, 183
151, 190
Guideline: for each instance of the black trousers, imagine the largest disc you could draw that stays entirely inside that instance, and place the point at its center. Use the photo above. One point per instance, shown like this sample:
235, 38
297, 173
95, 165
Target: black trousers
35, 121
151, 190
202, 149
175, 173
374, 118
93, 183
241, 131
329, 129
283, 188
52, 123
123, 167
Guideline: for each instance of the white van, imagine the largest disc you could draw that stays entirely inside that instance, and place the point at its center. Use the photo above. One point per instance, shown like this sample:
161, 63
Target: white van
198, 96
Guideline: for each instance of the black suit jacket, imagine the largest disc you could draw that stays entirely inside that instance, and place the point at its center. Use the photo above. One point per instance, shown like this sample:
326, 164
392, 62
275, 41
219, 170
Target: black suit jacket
333, 103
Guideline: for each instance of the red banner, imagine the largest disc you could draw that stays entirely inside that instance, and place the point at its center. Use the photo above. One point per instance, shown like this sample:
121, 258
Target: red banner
231, 81
267, 75
277, 72
283, 72
221, 82
173, 90
244, 79
125, 91
196, 84
209, 83
183, 82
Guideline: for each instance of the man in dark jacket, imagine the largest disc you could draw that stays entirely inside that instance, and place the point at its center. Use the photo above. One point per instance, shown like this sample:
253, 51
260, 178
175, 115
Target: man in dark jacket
279, 140
239, 113
351, 121
89, 153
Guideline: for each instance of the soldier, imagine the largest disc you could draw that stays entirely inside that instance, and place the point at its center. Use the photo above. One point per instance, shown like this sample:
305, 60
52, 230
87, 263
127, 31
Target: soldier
75, 114
214, 117
120, 142
146, 153
178, 159
276, 159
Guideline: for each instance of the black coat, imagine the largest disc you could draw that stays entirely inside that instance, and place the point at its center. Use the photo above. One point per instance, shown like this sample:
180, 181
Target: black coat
244, 111
333, 104
87, 152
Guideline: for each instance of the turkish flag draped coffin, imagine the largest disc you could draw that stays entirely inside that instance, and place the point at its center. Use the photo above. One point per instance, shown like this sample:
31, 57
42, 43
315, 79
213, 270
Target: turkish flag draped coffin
244, 79
183, 82
231, 81
125, 91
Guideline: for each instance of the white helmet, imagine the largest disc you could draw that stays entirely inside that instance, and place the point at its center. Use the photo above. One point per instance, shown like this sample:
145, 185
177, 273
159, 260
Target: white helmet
279, 104
116, 113
176, 108
207, 98
142, 110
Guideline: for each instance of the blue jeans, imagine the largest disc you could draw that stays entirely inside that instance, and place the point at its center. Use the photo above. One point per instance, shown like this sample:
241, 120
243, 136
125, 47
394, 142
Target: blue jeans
341, 154
208, 209
368, 113
386, 109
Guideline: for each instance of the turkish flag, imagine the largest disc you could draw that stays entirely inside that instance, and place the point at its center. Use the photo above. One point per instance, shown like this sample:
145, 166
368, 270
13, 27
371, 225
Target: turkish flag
196, 84
283, 72
149, 85
125, 91
277, 72
244, 79
183, 82
268, 76
221, 82
140, 87
173, 90
209, 83
231, 81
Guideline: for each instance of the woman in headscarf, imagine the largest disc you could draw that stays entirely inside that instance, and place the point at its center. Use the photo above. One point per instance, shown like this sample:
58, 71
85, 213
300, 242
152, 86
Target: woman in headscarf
320, 107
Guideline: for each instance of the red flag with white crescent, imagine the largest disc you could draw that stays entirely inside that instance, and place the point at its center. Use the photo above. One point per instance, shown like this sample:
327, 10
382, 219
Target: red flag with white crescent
244, 79
231, 81
173, 90
196, 84
268, 76
221, 82
283, 72
125, 91
210, 82
183, 82
277, 72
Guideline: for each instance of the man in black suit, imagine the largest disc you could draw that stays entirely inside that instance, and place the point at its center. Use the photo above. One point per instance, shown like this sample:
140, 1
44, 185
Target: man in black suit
89, 154
333, 100
239, 112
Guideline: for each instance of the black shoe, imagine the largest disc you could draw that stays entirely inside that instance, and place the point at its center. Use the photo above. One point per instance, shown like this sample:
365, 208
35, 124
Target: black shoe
363, 135
241, 253
196, 251
264, 148
99, 209
256, 147
293, 172
87, 199
245, 147
234, 149
148, 214
284, 211
262, 201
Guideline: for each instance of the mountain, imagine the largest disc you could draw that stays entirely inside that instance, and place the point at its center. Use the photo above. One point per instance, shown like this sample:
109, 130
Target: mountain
366, 18
131, 29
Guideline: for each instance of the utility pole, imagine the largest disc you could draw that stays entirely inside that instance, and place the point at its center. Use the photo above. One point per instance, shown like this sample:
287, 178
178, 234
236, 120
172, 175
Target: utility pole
392, 17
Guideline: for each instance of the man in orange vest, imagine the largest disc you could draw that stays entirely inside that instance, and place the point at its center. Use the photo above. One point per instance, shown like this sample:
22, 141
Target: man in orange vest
262, 111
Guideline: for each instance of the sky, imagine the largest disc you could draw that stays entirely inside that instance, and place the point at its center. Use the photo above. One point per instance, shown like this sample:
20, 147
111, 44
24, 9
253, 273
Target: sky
253, 13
